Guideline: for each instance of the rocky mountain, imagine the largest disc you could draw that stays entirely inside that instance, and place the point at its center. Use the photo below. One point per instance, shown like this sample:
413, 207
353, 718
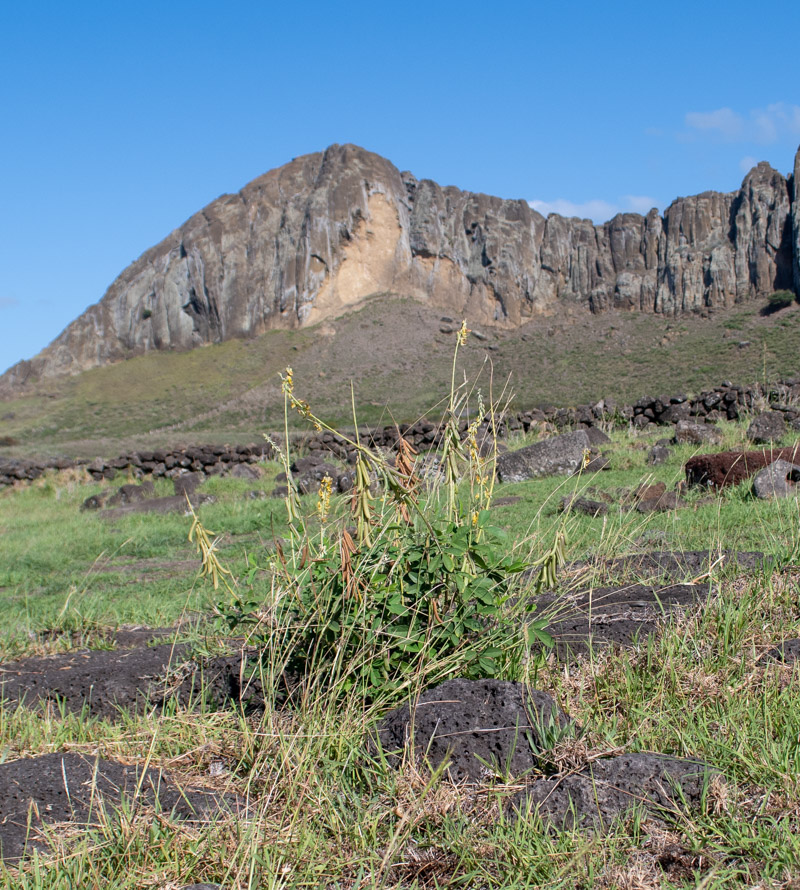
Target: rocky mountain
325, 232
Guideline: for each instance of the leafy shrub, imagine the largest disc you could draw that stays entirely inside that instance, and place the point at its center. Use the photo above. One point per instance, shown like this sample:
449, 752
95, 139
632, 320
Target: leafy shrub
780, 299
421, 589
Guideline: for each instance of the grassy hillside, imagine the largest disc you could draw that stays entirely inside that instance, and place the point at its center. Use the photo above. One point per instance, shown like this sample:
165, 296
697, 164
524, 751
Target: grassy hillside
395, 352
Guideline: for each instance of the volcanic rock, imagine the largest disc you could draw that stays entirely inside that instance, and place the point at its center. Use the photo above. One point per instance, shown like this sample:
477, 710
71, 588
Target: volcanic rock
558, 455
606, 788
54, 788
477, 726
766, 428
696, 433
733, 467
778, 480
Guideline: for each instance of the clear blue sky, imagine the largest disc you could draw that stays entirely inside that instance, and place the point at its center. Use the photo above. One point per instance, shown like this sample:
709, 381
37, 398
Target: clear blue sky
119, 120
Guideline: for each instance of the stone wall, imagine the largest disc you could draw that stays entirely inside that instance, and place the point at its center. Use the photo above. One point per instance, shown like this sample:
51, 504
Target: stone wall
725, 402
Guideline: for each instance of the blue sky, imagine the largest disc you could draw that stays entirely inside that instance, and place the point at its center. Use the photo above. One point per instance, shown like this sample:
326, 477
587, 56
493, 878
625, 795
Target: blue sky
120, 120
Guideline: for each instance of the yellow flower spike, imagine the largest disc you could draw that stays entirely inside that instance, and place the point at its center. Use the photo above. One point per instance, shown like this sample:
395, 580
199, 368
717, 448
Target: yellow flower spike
462, 333
324, 497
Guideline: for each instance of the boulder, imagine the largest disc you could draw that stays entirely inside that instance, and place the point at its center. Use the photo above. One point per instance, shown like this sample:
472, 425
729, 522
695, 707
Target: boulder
477, 727
583, 505
606, 789
187, 483
558, 455
687, 432
658, 454
245, 471
766, 428
778, 480
733, 467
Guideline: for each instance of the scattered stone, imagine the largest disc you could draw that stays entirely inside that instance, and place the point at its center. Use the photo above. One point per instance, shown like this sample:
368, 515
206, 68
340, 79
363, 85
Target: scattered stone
607, 788
245, 471
597, 436
787, 652
558, 455
170, 504
766, 428
596, 464
696, 433
57, 788
668, 500
673, 565
96, 501
611, 616
103, 682
477, 726
658, 454
131, 494
187, 483
733, 467
584, 506
255, 495
778, 480
506, 501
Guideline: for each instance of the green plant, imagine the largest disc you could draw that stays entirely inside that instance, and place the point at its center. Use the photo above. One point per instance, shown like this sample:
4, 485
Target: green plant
420, 589
781, 299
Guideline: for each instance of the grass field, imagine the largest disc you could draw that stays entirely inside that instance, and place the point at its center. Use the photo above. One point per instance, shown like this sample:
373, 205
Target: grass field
328, 815
395, 354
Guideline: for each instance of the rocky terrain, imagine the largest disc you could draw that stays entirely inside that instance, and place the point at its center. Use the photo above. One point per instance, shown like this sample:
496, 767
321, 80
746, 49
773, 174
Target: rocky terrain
310, 240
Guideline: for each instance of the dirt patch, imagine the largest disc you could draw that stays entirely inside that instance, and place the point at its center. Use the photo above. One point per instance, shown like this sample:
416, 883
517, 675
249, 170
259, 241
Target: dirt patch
101, 683
56, 788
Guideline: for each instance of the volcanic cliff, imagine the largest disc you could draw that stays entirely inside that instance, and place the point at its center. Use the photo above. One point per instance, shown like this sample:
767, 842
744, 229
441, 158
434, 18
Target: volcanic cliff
308, 240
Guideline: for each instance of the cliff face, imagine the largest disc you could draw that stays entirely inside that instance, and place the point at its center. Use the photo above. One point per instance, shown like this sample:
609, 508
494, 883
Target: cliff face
305, 241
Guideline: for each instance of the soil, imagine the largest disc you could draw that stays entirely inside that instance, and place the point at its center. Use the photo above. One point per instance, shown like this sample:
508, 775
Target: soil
79, 789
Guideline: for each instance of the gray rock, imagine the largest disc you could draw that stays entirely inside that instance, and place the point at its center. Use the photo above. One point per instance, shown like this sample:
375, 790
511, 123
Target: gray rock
597, 436
251, 261
787, 652
778, 480
767, 427
476, 726
187, 483
696, 433
604, 790
674, 413
559, 455
583, 505
658, 454
245, 471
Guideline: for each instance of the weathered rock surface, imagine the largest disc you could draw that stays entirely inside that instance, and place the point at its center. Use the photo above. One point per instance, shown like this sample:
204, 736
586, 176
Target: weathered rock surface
779, 480
767, 427
53, 788
102, 683
733, 467
605, 789
560, 454
320, 234
476, 726
787, 652
687, 432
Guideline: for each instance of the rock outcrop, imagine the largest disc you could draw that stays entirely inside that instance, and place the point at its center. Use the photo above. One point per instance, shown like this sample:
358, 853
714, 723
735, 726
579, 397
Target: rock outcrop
308, 240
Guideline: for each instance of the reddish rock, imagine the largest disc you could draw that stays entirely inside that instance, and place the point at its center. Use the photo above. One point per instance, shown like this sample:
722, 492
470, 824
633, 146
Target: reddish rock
732, 467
